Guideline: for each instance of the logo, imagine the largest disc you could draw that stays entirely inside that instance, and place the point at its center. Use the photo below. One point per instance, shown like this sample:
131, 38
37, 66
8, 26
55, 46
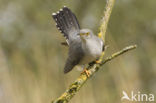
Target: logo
140, 97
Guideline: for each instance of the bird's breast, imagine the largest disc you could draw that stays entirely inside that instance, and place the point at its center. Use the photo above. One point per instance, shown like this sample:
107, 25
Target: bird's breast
92, 51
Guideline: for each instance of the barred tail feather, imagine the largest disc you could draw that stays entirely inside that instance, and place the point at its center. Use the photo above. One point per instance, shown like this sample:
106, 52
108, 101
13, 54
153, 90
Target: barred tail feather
66, 21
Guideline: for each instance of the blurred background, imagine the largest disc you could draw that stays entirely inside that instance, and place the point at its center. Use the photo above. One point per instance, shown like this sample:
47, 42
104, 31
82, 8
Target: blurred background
32, 59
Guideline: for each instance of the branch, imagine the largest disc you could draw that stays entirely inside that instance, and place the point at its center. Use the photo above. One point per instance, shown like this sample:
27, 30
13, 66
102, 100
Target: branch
105, 19
78, 83
104, 22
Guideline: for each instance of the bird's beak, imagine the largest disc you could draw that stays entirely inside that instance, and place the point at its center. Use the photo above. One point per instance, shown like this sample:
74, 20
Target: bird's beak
81, 34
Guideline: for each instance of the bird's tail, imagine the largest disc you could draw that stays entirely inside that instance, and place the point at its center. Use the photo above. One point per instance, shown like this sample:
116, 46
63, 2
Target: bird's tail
66, 21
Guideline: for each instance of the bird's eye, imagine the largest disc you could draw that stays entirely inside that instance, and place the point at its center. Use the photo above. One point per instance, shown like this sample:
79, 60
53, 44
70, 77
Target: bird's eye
87, 33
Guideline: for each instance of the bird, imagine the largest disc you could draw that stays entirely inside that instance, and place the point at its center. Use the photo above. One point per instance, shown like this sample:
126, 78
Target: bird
84, 46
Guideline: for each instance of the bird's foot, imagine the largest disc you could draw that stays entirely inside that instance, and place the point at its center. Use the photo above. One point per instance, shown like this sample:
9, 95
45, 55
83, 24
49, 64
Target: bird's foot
86, 72
98, 61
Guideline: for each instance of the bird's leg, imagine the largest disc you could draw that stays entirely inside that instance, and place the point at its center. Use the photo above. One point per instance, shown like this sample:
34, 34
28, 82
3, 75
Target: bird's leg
85, 71
97, 61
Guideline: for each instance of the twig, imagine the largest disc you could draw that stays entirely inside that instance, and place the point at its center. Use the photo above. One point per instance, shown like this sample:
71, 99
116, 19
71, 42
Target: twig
73, 88
104, 22
105, 19
78, 83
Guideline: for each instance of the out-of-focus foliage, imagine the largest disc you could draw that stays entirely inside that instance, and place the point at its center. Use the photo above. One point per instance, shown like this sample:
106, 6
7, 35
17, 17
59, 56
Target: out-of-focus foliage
32, 59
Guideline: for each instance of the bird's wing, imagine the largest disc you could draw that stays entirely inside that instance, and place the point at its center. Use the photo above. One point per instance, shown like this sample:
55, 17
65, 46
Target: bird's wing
71, 63
67, 23
75, 55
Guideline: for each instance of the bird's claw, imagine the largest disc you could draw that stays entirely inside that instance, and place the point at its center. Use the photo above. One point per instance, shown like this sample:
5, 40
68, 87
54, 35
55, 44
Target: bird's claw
86, 72
98, 61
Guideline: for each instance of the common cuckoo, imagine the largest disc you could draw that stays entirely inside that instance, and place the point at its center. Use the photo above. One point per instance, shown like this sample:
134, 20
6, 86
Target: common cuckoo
84, 46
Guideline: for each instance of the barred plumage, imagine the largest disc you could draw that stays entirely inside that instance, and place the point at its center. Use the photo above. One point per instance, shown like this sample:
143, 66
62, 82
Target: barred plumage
66, 22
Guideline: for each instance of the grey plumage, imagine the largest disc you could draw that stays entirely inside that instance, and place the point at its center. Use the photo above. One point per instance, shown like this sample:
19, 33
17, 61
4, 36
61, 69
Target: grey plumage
84, 46
75, 54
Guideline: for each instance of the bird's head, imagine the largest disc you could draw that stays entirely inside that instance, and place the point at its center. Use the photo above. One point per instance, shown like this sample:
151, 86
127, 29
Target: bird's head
85, 34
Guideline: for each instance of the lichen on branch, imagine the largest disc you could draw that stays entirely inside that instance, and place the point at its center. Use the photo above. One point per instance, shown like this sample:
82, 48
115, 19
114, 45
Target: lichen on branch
78, 83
